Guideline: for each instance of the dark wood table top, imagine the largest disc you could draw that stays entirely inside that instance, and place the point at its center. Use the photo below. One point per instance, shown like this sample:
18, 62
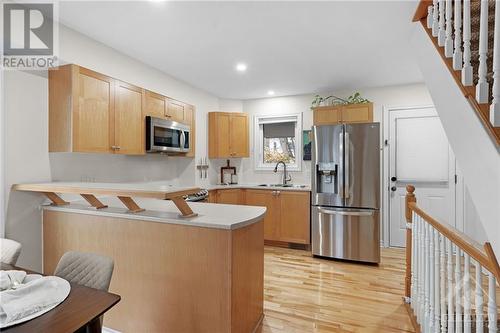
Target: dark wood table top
82, 305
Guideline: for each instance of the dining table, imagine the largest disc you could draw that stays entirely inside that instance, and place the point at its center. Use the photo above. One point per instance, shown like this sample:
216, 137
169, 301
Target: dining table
80, 309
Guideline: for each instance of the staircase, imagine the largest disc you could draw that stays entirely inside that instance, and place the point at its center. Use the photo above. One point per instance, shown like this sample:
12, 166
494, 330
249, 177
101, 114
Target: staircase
469, 52
454, 46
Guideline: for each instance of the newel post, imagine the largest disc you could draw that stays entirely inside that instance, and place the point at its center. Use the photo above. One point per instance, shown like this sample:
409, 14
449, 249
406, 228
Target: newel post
410, 197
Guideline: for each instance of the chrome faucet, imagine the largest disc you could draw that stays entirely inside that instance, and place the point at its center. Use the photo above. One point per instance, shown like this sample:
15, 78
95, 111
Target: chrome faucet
286, 178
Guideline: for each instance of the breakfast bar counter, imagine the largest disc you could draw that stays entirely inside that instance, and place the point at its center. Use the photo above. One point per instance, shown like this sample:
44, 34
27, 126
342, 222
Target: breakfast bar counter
202, 273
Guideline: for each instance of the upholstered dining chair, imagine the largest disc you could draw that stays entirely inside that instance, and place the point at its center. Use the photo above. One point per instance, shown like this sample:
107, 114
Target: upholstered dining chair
9, 251
89, 270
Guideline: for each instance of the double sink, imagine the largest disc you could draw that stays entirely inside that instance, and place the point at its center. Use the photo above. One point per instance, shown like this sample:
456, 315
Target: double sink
282, 185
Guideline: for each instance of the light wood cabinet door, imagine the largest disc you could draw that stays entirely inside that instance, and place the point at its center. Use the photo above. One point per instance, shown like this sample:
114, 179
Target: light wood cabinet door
271, 201
155, 105
93, 126
357, 113
295, 222
129, 129
230, 197
218, 134
238, 136
326, 115
175, 110
190, 119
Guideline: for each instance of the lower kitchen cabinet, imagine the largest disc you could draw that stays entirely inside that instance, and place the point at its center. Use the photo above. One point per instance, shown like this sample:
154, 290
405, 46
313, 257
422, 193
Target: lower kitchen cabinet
288, 214
295, 213
269, 200
230, 197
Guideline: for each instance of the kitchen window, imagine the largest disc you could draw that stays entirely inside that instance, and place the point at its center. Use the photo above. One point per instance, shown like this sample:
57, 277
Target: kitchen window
277, 138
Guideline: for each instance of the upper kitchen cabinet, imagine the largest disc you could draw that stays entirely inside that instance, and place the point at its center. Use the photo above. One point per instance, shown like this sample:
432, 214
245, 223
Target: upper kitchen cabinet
93, 113
175, 110
228, 135
155, 105
350, 113
129, 124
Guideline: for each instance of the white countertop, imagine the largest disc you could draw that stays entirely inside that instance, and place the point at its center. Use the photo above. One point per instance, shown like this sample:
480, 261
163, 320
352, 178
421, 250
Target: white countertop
217, 216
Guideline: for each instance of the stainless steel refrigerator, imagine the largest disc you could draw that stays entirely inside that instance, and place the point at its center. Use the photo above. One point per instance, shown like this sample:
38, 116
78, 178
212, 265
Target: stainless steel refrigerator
346, 192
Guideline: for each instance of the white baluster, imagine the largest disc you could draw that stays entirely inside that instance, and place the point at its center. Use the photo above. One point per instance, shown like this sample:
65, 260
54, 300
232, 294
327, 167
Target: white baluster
422, 272
467, 69
431, 279
435, 18
437, 283
467, 302
429, 16
441, 31
427, 279
458, 288
479, 299
451, 289
457, 55
495, 105
414, 257
492, 304
448, 42
482, 87
442, 262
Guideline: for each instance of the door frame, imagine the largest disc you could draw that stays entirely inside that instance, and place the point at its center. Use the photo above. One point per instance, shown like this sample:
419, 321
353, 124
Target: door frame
385, 195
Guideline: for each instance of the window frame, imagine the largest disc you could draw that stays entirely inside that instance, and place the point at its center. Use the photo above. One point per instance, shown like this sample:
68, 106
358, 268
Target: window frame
259, 120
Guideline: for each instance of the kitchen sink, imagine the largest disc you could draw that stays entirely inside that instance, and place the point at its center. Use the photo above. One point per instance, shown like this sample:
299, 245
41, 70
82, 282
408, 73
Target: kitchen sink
281, 185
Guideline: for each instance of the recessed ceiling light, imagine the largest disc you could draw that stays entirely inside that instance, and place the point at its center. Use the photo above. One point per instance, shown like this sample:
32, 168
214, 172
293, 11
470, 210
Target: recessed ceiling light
270, 92
241, 67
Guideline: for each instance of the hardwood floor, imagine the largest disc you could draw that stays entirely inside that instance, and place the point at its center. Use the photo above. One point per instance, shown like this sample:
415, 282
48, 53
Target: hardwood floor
305, 294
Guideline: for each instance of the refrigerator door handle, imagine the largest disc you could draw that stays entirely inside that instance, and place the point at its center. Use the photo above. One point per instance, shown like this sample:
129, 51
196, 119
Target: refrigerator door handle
340, 175
347, 157
345, 213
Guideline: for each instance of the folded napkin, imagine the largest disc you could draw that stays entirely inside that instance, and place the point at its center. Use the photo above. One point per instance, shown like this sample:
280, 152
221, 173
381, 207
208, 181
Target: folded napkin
9, 279
31, 299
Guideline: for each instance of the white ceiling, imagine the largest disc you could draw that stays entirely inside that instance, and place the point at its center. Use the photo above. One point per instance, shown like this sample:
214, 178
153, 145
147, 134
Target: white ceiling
290, 47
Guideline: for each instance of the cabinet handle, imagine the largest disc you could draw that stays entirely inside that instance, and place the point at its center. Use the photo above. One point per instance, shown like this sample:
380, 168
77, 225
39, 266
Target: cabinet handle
113, 147
118, 147
278, 192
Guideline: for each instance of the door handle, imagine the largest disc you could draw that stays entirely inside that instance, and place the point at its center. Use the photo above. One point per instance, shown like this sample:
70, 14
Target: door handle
393, 189
347, 149
393, 179
345, 212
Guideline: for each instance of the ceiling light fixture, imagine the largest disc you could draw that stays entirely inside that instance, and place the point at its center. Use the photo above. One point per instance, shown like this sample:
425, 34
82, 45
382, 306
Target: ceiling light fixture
270, 92
241, 67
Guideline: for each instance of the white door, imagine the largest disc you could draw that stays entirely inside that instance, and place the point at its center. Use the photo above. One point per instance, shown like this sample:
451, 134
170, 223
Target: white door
419, 154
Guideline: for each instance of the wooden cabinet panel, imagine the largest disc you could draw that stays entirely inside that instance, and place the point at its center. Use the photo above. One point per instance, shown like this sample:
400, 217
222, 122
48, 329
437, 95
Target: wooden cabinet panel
326, 115
190, 119
155, 105
352, 113
272, 218
230, 197
227, 135
175, 110
357, 113
238, 136
129, 129
93, 118
218, 134
295, 217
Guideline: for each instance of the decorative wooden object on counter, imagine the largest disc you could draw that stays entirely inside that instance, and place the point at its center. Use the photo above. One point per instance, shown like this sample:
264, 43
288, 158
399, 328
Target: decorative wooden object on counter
338, 114
228, 169
94, 113
124, 192
228, 135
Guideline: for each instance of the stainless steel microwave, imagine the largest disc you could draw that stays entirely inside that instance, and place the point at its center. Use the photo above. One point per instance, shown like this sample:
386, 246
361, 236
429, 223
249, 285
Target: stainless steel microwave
164, 135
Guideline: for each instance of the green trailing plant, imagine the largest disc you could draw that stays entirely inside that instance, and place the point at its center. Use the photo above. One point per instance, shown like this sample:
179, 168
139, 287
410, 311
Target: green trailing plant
353, 99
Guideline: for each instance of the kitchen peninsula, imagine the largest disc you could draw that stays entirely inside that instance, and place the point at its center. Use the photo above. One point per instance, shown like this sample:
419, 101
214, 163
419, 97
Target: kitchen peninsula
202, 272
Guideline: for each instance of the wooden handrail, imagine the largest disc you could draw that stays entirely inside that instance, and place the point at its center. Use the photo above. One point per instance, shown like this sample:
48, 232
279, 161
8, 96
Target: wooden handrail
421, 11
481, 253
